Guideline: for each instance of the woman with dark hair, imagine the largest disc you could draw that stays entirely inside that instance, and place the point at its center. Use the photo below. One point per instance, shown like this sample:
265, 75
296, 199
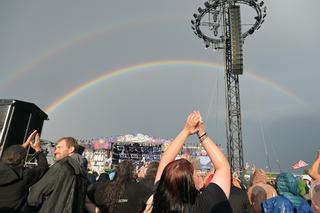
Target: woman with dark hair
177, 183
16, 179
123, 194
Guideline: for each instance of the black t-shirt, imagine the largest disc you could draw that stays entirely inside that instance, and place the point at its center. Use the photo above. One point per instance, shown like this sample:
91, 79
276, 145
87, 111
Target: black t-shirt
211, 200
133, 200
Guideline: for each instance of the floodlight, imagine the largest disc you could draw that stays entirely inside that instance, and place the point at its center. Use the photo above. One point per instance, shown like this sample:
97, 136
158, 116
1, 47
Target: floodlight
207, 44
215, 4
207, 4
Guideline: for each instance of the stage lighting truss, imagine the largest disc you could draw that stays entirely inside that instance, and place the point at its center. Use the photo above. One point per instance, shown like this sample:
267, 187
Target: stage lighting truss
208, 22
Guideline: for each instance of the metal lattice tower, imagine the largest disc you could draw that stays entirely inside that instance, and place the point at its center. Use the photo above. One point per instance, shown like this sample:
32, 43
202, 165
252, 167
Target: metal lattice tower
225, 15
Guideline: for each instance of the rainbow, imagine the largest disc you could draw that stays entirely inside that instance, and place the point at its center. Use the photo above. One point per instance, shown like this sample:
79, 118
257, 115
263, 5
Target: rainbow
152, 64
81, 39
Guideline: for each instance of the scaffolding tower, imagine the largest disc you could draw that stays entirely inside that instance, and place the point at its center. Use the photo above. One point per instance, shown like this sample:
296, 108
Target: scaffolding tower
218, 24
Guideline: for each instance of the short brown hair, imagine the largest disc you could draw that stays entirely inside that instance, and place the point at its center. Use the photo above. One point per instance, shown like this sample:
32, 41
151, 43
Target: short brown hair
71, 142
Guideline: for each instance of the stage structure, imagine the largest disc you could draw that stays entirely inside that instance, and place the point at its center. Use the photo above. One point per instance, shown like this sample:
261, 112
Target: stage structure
218, 24
111, 150
136, 152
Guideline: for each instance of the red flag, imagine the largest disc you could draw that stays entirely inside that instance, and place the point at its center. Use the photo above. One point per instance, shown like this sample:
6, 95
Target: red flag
299, 164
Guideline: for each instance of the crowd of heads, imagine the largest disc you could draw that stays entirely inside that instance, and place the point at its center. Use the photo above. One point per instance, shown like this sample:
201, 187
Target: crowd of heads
171, 185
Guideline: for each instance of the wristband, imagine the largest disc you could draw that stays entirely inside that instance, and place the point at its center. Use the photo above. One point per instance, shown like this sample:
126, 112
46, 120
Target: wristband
204, 134
202, 137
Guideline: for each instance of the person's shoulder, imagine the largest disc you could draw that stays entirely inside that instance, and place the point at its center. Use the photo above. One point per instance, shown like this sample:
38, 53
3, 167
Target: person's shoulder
214, 188
60, 166
212, 199
212, 193
10, 175
69, 164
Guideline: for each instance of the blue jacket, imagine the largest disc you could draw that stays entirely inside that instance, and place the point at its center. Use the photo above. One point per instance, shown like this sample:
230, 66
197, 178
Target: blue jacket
281, 204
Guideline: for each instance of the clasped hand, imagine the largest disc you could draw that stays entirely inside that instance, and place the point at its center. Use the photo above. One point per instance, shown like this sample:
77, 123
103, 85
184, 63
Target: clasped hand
194, 123
34, 141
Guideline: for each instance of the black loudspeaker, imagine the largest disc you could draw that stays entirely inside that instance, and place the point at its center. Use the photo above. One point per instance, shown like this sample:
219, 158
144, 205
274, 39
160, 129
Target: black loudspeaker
236, 40
18, 119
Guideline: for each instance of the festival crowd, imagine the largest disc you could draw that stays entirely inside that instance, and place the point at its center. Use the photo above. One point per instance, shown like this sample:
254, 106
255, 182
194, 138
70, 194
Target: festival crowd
171, 185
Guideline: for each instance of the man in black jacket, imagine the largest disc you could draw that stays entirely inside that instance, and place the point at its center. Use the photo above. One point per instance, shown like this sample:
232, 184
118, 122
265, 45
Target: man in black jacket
15, 179
63, 187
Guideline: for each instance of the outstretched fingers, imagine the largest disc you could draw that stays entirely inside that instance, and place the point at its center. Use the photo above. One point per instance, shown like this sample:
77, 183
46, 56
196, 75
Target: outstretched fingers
29, 139
31, 136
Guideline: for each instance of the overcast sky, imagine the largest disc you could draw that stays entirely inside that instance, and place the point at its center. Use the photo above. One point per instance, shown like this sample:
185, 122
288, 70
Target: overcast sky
50, 48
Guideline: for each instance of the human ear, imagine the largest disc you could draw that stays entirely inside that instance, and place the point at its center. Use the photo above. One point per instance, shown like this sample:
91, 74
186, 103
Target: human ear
72, 149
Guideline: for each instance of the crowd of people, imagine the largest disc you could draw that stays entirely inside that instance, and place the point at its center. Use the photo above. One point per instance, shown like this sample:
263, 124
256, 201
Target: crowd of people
171, 185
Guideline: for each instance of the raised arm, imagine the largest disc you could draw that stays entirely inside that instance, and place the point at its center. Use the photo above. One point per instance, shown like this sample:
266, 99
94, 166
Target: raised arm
37, 172
175, 146
41, 157
314, 170
222, 176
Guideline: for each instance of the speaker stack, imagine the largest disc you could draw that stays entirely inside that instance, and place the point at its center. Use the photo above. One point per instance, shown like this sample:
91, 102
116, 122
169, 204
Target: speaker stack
18, 119
236, 40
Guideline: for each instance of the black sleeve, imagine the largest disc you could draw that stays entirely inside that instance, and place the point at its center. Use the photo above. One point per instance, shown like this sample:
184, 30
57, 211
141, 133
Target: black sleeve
34, 174
42, 160
212, 199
